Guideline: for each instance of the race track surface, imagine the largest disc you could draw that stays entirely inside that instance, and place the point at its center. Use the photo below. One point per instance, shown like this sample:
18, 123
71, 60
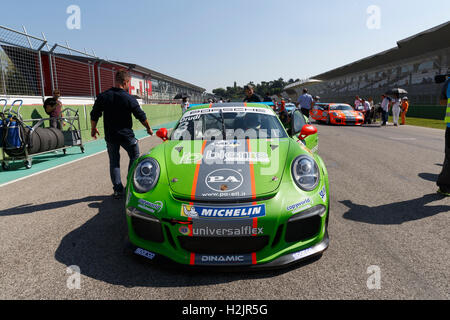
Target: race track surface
384, 212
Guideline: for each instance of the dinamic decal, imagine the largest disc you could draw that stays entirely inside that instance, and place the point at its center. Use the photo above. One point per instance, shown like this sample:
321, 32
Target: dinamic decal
243, 259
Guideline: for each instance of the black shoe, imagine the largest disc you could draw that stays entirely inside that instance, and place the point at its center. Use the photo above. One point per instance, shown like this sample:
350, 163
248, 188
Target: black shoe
118, 195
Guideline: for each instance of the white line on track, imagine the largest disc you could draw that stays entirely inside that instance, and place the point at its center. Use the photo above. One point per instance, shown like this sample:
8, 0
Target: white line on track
409, 139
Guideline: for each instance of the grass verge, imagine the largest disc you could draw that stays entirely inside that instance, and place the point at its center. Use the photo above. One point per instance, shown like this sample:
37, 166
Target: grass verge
420, 122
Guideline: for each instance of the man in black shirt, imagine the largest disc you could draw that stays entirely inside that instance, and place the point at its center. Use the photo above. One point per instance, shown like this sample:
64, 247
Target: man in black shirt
267, 98
117, 106
251, 96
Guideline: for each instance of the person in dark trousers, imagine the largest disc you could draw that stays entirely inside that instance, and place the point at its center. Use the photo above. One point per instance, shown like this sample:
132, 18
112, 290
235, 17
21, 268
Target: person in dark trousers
443, 181
117, 106
385, 102
306, 103
250, 95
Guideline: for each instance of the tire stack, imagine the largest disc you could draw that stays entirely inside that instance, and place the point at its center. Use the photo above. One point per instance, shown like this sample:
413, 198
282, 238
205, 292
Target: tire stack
44, 139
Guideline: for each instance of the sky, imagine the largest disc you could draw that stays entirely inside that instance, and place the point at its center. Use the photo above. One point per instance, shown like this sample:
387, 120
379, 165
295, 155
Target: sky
213, 43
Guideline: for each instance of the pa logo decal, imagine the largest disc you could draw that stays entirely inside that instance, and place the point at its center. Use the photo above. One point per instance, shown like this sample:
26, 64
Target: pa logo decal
224, 180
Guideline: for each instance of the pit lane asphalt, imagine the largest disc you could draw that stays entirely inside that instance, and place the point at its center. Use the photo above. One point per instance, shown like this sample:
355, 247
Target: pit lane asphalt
385, 212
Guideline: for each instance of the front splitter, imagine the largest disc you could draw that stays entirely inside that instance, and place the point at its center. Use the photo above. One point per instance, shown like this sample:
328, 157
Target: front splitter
281, 262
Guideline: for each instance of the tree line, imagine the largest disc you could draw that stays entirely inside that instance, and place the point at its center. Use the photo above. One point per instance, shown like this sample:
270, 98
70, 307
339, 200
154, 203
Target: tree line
236, 93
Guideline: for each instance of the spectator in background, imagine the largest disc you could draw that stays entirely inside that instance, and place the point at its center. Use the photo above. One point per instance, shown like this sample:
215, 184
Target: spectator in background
267, 98
117, 106
357, 103
372, 109
275, 105
404, 107
366, 110
396, 109
184, 104
282, 105
306, 102
250, 95
372, 104
443, 180
53, 108
385, 102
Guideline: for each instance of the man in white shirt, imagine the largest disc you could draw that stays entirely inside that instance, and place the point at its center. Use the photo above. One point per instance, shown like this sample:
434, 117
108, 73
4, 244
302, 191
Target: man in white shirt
306, 102
366, 110
385, 100
396, 109
357, 103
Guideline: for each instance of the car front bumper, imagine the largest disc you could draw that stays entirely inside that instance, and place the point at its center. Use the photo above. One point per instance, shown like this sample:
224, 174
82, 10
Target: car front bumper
283, 261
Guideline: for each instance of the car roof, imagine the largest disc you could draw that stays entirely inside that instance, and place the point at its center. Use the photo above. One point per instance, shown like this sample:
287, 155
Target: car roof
331, 104
231, 104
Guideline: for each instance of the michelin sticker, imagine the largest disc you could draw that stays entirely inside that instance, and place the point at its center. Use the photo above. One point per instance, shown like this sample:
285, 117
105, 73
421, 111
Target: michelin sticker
323, 194
248, 212
300, 206
150, 206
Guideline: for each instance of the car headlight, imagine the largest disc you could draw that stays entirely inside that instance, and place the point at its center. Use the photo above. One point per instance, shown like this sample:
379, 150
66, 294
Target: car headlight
146, 175
334, 114
305, 172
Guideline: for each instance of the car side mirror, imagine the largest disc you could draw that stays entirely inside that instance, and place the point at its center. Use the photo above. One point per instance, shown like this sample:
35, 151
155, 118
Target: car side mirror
162, 133
307, 131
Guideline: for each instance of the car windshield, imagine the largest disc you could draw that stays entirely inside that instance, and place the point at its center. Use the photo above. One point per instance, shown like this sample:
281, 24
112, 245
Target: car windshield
320, 106
342, 107
228, 123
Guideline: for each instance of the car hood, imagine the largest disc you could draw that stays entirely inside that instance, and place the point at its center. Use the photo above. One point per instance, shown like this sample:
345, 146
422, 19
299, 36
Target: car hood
346, 113
220, 171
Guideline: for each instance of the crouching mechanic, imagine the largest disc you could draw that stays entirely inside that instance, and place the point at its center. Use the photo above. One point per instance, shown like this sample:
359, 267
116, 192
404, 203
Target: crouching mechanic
117, 106
443, 181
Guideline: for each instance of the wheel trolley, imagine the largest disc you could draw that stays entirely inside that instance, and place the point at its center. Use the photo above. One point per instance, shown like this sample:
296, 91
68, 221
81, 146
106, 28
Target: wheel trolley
30, 132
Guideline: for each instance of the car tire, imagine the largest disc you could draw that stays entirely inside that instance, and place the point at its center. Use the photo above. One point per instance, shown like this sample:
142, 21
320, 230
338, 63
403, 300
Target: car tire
34, 142
59, 137
44, 137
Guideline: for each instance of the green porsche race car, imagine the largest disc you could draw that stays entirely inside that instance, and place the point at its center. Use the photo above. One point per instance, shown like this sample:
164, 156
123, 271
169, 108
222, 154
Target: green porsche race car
230, 187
